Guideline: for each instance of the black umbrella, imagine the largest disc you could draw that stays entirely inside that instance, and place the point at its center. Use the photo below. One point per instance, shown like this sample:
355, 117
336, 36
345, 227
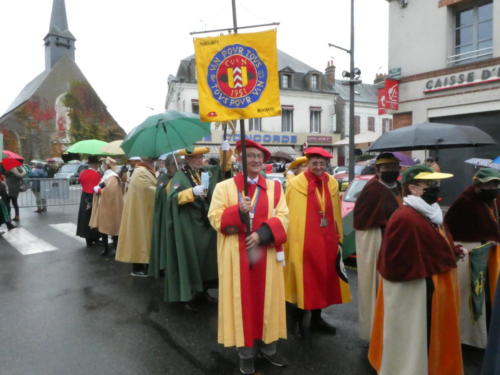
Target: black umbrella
431, 135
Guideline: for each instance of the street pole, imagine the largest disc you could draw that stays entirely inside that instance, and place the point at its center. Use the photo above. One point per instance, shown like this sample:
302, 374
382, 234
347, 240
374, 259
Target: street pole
351, 100
353, 80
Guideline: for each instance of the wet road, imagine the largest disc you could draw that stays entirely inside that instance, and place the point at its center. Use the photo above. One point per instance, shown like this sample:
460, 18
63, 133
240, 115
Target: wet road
67, 310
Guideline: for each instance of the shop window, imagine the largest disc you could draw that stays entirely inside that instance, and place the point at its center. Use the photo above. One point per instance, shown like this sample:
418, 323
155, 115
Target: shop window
315, 120
357, 125
473, 33
255, 124
371, 124
195, 107
287, 120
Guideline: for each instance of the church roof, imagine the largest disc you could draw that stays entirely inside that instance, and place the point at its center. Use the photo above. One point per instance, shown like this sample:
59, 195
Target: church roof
27, 92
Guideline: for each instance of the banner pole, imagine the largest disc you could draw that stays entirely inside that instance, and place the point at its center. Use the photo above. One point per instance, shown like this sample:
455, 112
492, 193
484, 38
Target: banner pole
243, 151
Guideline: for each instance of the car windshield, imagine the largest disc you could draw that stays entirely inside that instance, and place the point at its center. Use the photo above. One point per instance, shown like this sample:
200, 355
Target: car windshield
353, 192
69, 168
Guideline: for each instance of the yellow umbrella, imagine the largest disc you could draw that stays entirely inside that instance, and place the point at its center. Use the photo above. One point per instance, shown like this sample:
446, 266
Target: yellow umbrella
113, 148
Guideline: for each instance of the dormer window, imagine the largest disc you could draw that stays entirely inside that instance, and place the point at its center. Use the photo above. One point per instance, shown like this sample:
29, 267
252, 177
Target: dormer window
286, 81
314, 82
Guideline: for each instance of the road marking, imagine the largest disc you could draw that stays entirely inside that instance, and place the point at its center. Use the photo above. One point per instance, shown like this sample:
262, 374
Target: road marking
26, 243
68, 229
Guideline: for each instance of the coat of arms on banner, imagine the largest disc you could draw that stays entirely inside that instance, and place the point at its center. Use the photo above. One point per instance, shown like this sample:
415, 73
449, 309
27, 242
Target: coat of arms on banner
237, 76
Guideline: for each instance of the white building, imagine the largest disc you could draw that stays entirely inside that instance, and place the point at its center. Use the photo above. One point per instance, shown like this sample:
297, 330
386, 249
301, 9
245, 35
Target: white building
446, 55
310, 100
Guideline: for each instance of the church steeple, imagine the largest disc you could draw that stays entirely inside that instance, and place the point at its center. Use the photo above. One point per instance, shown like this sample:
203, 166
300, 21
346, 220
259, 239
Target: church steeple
59, 41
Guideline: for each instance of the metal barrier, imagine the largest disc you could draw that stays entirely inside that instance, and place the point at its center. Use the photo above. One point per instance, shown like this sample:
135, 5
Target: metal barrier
44, 192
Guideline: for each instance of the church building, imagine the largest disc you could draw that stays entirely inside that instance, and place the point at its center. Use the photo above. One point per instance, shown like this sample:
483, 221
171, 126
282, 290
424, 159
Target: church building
59, 106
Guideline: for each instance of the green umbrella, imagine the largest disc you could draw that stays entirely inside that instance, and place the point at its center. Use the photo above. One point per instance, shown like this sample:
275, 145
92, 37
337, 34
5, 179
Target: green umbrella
165, 132
89, 146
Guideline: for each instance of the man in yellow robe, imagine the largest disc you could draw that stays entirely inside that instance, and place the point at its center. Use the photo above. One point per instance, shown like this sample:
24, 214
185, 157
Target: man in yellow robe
251, 285
136, 227
314, 272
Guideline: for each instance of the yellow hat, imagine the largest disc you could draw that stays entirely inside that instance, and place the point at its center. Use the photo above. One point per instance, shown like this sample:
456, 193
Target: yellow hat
386, 158
298, 161
432, 176
195, 151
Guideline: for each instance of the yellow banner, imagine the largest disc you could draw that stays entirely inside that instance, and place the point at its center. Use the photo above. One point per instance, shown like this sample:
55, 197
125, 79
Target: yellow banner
238, 76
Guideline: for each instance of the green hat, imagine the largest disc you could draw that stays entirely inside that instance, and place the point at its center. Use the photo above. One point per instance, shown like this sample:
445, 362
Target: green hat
422, 172
486, 175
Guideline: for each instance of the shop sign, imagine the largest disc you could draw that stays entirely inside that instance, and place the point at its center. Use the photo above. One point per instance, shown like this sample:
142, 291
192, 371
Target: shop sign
388, 96
465, 79
269, 138
319, 139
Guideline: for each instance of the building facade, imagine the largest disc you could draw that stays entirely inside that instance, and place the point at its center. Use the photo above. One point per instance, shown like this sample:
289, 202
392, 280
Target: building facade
446, 56
310, 100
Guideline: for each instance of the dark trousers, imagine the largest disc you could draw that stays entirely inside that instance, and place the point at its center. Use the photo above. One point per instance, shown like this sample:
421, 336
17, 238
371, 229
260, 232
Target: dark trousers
14, 203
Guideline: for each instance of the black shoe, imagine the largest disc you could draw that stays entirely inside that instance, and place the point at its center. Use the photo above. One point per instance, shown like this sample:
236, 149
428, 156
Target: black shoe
319, 324
10, 226
16, 218
304, 324
38, 211
247, 366
139, 274
275, 359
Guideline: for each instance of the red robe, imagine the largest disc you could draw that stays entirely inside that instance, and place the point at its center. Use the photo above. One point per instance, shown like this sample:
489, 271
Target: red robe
314, 275
251, 300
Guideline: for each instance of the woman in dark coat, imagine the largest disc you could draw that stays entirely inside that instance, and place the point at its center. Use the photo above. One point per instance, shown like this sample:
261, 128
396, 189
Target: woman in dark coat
88, 179
14, 179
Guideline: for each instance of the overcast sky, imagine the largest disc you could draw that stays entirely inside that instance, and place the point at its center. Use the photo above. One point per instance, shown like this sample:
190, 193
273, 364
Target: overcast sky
128, 48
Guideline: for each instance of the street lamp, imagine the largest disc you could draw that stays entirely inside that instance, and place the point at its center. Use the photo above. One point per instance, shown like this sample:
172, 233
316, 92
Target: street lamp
353, 76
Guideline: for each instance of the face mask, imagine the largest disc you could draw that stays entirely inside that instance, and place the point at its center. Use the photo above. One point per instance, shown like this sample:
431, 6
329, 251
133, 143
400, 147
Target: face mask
431, 194
389, 176
488, 194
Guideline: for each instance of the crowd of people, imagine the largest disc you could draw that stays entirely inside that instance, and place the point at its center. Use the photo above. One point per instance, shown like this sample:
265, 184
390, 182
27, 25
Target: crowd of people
426, 281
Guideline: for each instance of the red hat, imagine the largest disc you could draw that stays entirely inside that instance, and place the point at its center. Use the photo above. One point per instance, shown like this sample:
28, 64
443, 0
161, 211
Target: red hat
250, 143
317, 151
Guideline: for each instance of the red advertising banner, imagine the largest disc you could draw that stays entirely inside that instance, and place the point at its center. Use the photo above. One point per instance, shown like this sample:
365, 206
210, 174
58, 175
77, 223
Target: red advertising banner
388, 96
392, 89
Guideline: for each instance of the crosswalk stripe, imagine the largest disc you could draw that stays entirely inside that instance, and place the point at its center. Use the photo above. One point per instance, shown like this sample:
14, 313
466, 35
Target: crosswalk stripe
68, 229
26, 243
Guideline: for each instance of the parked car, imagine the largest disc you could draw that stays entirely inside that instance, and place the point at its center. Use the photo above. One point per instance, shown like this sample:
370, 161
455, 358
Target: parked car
276, 176
71, 171
343, 177
348, 203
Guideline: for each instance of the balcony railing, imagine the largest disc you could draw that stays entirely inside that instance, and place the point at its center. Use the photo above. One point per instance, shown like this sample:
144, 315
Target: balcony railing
466, 57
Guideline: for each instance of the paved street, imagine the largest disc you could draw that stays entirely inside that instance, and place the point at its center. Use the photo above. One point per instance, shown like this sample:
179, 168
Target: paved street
66, 310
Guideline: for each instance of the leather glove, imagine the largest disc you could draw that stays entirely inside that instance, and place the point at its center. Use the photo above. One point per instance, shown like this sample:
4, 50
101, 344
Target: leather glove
199, 190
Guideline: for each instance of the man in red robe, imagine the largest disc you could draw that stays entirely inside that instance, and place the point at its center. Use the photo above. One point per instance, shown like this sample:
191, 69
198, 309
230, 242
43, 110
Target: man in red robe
314, 272
380, 197
416, 322
251, 229
473, 219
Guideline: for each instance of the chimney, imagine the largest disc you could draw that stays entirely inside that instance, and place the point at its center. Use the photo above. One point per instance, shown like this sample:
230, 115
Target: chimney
330, 72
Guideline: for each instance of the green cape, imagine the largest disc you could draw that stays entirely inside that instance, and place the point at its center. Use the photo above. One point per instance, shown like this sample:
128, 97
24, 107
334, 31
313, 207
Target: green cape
191, 242
157, 258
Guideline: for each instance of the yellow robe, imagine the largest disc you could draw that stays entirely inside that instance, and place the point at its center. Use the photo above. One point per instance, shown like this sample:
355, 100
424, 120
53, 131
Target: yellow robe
231, 324
136, 227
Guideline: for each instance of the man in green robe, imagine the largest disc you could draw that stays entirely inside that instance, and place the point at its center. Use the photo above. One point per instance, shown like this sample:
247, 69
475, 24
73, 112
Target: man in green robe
191, 242
159, 239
